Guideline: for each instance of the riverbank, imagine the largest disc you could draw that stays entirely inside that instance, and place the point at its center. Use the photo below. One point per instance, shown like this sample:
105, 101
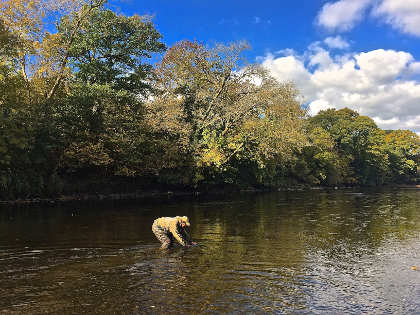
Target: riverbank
96, 197
166, 194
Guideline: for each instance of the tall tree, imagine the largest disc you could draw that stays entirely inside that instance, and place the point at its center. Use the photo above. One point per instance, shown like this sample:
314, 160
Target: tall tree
104, 111
216, 108
73, 76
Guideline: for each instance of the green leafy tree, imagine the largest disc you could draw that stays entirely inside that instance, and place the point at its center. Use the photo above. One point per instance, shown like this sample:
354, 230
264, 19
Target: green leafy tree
403, 148
70, 98
103, 117
358, 142
325, 166
112, 49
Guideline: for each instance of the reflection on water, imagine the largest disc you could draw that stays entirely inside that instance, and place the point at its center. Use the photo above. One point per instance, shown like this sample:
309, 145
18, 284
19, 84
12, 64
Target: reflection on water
297, 252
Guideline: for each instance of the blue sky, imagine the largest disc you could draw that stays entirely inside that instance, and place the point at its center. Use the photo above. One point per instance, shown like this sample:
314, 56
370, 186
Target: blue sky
362, 54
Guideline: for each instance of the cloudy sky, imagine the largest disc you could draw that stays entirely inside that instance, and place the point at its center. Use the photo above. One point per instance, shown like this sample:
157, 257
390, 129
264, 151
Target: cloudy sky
361, 54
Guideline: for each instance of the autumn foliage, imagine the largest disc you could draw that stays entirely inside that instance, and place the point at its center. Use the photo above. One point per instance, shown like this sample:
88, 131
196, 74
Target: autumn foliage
84, 106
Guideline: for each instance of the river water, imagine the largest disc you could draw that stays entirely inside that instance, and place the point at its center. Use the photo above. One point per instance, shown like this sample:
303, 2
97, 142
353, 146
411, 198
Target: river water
318, 252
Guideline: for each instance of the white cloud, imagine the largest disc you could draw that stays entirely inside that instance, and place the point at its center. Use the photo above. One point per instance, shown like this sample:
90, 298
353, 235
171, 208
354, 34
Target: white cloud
414, 68
321, 59
318, 56
289, 68
403, 15
383, 65
382, 84
386, 122
286, 52
317, 106
342, 15
336, 42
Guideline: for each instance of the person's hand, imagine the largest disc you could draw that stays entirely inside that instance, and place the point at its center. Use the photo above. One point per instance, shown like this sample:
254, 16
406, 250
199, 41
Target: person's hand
193, 243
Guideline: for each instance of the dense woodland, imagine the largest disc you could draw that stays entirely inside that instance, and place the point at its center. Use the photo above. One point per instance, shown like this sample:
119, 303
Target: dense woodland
93, 101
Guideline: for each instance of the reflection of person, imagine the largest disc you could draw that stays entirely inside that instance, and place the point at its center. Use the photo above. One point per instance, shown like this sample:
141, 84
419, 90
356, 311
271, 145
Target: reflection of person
166, 229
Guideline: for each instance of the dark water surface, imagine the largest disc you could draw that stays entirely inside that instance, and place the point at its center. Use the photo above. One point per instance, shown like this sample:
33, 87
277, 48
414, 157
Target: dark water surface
288, 253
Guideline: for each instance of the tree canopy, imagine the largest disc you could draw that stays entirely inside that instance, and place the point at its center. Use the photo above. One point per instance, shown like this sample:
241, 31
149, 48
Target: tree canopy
90, 98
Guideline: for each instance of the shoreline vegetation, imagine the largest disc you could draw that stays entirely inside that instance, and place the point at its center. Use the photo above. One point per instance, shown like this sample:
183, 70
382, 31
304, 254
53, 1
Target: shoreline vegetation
92, 103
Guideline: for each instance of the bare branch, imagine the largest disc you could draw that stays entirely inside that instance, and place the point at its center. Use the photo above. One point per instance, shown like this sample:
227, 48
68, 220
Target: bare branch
60, 77
25, 76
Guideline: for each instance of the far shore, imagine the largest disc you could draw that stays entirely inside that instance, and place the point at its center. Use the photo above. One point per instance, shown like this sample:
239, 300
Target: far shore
165, 195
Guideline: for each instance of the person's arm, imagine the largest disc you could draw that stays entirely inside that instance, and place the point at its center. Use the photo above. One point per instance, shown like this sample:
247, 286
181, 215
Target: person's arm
185, 235
180, 235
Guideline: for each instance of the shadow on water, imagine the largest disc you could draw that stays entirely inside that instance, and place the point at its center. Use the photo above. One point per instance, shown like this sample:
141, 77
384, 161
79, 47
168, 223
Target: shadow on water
295, 252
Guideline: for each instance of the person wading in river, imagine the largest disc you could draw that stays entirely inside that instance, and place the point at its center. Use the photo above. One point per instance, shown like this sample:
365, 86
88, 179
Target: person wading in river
166, 229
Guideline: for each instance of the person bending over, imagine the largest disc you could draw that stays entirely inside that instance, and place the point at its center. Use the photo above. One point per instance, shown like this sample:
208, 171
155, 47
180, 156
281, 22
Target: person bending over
167, 229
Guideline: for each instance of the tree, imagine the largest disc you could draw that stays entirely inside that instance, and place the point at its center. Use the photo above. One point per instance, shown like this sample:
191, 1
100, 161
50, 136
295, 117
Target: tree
358, 142
42, 56
111, 49
33, 65
403, 148
111, 77
217, 109
325, 165
73, 75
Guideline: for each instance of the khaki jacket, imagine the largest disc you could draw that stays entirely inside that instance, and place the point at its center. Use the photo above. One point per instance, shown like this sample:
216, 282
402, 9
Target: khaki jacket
173, 225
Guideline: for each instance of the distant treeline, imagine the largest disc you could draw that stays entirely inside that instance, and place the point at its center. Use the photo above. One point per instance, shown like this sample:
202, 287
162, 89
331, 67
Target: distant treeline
84, 108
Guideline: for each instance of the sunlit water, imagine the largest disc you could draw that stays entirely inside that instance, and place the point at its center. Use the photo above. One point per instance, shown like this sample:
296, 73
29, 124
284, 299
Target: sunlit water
288, 253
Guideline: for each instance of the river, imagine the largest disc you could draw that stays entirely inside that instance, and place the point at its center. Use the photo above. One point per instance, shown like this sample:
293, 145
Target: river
315, 252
